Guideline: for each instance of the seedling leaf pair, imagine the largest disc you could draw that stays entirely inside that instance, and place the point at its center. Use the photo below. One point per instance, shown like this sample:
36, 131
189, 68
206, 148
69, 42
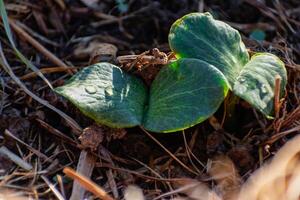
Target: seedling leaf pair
114, 98
211, 60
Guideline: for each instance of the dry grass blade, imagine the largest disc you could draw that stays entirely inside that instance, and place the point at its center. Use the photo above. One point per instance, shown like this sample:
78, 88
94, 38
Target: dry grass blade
48, 70
170, 153
87, 184
8, 69
154, 178
57, 133
277, 136
38, 46
16, 159
85, 167
53, 189
33, 150
18, 53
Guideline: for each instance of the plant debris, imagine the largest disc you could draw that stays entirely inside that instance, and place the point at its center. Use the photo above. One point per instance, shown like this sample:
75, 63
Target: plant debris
42, 129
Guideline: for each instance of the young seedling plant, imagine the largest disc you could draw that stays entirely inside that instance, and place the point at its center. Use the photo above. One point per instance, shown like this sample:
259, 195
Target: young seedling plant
211, 60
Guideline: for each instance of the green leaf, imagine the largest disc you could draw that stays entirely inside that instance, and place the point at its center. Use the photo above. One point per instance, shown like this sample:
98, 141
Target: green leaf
106, 94
256, 82
183, 94
199, 35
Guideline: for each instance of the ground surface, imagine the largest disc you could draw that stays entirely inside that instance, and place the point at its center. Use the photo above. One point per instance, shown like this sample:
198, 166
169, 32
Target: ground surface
72, 30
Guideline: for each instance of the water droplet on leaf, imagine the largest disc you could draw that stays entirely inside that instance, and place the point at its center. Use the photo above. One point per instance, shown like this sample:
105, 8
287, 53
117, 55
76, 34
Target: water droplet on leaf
91, 89
242, 80
264, 89
109, 91
241, 88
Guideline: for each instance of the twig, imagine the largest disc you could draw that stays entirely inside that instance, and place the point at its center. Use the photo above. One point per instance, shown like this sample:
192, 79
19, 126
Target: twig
57, 133
111, 180
47, 70
87, 184
37, 45
8, 32
36, 35
118, 19
169, 152
16, 159
52, 188
36, 152
189, 152
85, 167
277, 95
153, 171
61, 185
153, 178
277, 136
8, 69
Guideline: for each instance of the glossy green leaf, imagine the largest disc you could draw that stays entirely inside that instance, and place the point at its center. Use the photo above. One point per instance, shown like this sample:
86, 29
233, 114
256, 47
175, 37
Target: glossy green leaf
211, 59
183, 94
108, 95
256, 82
199, 35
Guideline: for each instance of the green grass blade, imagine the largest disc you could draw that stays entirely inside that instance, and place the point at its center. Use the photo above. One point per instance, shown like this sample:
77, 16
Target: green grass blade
12, 43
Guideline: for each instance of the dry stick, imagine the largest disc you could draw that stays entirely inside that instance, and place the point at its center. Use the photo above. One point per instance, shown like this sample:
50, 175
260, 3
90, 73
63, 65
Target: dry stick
8, 69
277, 95
277, 136
58, 133
61, 185
189, 152
47, 70
153, 178
169, 152
38, 36
85, 167
110, 177
53, 188
87, 184
33, 150
37, 45
16, 159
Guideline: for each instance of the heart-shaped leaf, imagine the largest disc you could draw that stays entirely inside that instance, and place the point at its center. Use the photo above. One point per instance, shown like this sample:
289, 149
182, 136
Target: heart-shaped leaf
211, 59
183, 94
108, 95
199, 35
256, 81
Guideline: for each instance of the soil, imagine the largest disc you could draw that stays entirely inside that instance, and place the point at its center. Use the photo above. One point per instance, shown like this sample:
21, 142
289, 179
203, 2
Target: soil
73, 31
